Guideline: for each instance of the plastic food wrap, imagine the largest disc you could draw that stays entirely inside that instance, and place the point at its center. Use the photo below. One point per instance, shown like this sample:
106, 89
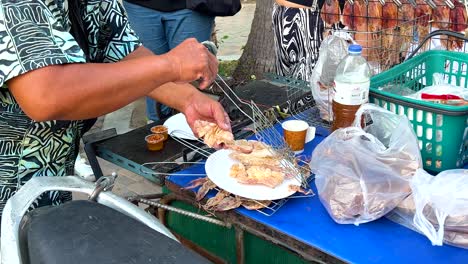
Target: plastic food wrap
332, 50
363, 173
440, 87
437, 201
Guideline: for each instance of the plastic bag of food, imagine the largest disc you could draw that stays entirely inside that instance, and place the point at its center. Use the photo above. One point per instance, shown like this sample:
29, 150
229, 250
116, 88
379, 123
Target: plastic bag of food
363, 173
332, 50
440, 87
440, 201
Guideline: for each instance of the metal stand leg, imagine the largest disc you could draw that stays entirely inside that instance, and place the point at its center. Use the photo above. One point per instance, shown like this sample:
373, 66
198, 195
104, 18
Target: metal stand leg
89, 142
240, 249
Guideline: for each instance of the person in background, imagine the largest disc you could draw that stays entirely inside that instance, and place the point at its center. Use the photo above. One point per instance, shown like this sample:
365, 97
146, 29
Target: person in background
161, 25
298, 30
51, 84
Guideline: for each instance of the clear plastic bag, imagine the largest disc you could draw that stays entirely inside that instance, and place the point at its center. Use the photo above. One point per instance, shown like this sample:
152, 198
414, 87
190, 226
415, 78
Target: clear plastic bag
439, 87
363, 173
440, 201
332, 50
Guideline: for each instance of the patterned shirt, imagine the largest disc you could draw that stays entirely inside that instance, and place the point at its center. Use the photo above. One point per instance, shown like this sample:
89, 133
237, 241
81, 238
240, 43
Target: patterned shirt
35, 34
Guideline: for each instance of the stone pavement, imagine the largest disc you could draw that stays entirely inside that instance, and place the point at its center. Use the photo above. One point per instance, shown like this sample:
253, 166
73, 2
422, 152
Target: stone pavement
232, 32
127, 183
132, 116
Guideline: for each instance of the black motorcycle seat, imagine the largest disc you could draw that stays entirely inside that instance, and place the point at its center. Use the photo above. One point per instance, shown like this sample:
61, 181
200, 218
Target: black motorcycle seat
84, 232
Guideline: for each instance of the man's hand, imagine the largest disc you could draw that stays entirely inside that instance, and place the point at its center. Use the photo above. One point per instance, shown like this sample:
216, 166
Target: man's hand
192, 61
201, 106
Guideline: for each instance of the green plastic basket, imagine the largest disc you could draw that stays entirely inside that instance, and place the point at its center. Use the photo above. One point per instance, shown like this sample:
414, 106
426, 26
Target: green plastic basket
442, 130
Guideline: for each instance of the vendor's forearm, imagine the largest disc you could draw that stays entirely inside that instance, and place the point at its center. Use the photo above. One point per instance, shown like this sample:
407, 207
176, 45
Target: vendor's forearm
172, 94
80, 91
175, 95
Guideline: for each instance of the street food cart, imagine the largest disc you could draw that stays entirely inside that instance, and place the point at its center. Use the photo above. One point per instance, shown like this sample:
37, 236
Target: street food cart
295, 230
298, 229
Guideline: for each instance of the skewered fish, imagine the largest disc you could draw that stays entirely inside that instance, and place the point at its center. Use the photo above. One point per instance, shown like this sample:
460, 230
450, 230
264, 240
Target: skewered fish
458, 23
330, 12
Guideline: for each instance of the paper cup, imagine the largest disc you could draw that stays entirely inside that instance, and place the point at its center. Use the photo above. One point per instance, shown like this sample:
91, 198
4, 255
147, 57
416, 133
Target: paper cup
297, 133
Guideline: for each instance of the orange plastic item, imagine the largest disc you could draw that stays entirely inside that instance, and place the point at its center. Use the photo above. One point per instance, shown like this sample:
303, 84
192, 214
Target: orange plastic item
160, 130
155, 142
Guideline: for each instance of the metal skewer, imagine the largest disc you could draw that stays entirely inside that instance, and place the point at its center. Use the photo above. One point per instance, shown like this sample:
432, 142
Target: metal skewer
450, 4
413, 3
397, 2
431, 4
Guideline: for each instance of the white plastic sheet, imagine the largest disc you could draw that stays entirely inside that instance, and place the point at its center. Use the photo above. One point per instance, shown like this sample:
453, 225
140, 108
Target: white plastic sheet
440, 87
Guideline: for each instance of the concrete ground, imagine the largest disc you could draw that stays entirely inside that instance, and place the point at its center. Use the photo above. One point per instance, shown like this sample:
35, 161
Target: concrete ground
132, 116
232, 32
123, 120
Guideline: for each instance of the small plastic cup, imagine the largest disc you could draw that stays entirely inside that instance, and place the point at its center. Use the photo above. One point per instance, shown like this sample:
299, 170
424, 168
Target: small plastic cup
154, 142
160, 130
297, 133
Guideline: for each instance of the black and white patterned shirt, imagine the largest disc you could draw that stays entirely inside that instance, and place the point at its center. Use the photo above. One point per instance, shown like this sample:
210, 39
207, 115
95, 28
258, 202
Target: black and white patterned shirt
35, 34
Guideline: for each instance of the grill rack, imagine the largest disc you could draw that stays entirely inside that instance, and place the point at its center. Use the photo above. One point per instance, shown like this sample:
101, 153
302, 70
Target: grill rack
299, 104
167, 168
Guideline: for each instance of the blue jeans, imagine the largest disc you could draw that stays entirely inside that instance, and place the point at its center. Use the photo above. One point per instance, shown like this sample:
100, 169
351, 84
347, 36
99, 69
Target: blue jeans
162, 31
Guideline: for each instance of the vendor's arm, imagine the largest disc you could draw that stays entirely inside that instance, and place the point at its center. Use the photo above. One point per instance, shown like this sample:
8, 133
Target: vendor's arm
187, 99
80, 91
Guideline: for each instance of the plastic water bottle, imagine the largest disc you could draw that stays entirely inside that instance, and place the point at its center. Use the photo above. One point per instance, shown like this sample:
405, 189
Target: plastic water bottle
352, 81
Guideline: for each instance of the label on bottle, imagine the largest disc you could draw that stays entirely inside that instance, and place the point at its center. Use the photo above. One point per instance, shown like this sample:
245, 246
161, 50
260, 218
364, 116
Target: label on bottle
351, 93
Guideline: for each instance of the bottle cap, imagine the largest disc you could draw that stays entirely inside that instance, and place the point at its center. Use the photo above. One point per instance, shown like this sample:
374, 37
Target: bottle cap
354, 48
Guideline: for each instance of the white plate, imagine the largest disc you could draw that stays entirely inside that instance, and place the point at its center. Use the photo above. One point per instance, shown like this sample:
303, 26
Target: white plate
217, 168
177, 126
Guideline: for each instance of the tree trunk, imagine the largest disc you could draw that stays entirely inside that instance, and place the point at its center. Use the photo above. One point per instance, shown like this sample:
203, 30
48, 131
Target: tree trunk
258, 56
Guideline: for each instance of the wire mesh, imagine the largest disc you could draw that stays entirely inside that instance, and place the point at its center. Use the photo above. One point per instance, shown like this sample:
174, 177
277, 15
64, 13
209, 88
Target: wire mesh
263, 128
168, 168
274, 205
390, 30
